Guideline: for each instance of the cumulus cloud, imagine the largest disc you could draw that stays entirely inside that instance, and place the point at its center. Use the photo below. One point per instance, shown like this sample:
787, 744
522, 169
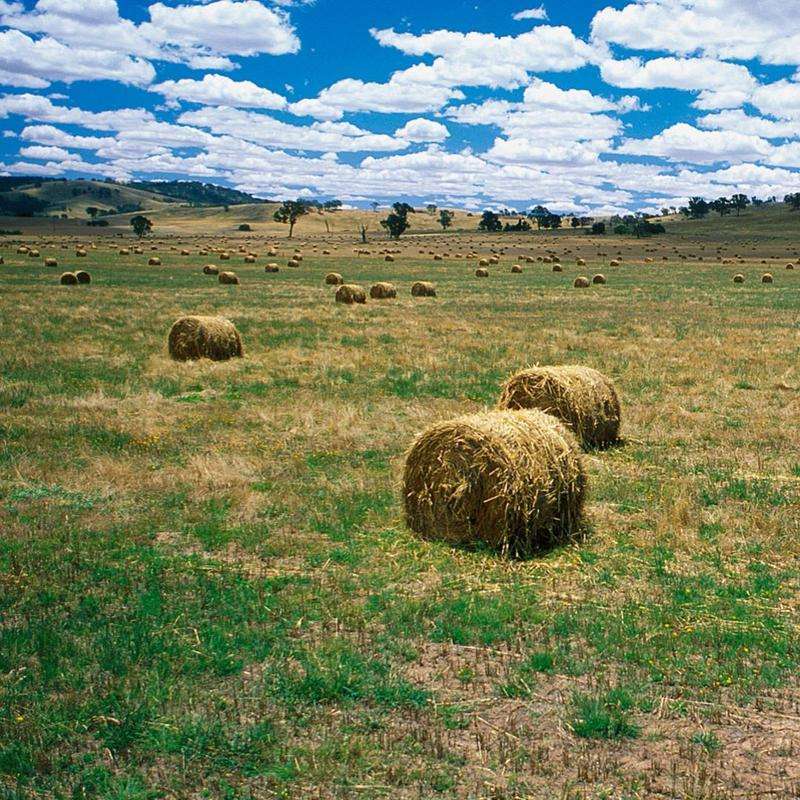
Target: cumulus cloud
422, 130
219, 90
540, 12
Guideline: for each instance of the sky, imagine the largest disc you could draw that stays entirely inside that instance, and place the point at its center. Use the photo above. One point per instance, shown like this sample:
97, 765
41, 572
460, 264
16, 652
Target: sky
585, 107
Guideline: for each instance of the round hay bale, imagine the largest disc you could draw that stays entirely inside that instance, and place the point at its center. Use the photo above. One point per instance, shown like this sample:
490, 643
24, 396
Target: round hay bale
229, 278
50, 262
481, 273
516, 269
614, 262
83, 277
271, 267
124, 251
767, 278
211, 269
334, 279
80, 254
739, 278
581, 262
249, 259
599, 278
423, 289
33, 254
557, 268
224, 256
388, 258
154, 261
292, 262
196, 337
382, 291
790, 266
350, 293
68, 279
581, 397
513, 480
484, 262
581, 282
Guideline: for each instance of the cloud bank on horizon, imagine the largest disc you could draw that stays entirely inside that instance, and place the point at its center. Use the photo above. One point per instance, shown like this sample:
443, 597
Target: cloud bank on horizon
592, 109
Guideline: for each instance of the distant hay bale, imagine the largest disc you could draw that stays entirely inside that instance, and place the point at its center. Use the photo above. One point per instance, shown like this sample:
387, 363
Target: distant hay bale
767, 278
271, 267
614, 262
334, 279
581, 262
195, 337
557, 268
184, 252
249, 259
581, 397
68, 279
50, 262
350, 293
581, 282
437, 258
481, 273
516, 269
123, 251
22, 250
388, 258
484, 262
382, 291
83, 277
513, 480
599, 278
293, 263
224, 256
80, 254
229, 278
790, 266
33, 254
423, 289
153, 261
739, 278
211, 269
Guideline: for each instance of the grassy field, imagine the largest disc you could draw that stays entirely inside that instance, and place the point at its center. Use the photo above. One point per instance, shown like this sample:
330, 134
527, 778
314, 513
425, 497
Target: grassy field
206, 585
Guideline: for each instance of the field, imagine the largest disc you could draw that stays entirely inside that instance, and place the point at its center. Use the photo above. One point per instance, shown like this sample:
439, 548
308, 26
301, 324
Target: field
207, 588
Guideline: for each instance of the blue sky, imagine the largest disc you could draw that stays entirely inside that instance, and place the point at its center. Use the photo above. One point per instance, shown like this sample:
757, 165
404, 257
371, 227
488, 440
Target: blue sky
595, 107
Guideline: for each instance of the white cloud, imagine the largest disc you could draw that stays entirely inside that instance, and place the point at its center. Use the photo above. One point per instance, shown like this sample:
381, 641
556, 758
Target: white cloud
540, 12
422, 130
219, 90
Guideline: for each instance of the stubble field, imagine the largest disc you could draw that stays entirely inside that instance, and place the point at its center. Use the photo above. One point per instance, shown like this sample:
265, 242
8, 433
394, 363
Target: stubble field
207, 588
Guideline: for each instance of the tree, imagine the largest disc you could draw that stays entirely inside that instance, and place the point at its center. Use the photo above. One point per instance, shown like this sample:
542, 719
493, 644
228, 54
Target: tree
697, 208
374, 205
92, 211
740, 202
332, 205
539, 213
289, 212
576, 223
598, 229
721, 205
141, 225
793, 200
397, 222
445, 218
490, 222
432, 208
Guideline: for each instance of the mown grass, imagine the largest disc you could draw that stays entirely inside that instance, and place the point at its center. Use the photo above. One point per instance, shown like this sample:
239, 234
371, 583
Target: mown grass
206, 588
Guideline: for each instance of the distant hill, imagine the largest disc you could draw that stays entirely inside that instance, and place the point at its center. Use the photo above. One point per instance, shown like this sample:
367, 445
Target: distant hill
196, 193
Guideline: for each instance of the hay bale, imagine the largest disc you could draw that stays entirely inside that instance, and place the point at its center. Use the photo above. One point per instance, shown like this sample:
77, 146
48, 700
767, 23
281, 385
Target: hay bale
382, 291
614, 262
599, 279
767, 278
196, 337
334, 279
272, 267
80, 254
388, 258
739, 278
557, 268
790, 266
423, 289
83, 277
68, 279
350, 293
484, 262
481, 273
229, 278
50, 262
124, 251
293, 263
516, 269
211, 269
581, 262
224, 256
513, 480
581, 397
581, 282
250, 259
154, 261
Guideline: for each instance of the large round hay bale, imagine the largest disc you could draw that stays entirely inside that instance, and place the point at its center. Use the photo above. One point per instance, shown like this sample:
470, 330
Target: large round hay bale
513, 480
229, 278
557, 268
516, 269
154, 261
738, 278
196, 337
790, 266
423, 289
350, 293
334, 279
599, 279
50, 262
68, 279
767, 278
382, 291
293, 263
481, 273
388, 258
211, 269
581, 397
581, 282
83, 277
271, 267
250, 259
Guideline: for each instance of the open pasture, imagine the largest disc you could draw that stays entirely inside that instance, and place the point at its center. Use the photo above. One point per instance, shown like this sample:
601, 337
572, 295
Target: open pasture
207, 588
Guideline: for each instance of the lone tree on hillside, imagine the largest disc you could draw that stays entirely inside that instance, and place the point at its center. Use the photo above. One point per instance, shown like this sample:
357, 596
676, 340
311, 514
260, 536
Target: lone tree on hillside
445, 219
397, 222
490, 222
740, 202
289, 212
92, 211
141, 225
